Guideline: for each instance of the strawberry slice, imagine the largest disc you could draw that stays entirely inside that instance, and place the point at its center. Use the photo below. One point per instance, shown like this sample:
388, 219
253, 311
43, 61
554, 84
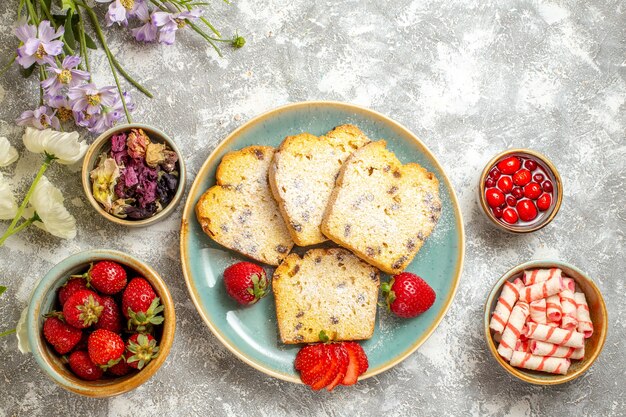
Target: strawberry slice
313, 362
342, 357
357, 365
363, 362
332, 371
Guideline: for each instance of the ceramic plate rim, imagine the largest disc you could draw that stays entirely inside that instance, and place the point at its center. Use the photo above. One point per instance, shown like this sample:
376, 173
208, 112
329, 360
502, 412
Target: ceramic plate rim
189, 212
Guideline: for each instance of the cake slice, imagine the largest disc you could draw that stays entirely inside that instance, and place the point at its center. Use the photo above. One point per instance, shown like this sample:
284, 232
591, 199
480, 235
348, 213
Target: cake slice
240, 213
302, 177
326, 289
382, 210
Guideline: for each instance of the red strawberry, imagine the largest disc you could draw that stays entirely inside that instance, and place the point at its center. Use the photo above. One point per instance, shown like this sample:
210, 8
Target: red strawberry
358, 363
111, 318
313, 361
120, 369
339, 361
61, 335
70, 287
108, 277
408, 295
140, 305
105, 348
82, 309
343, 360
83, 367
245, 282
140, 350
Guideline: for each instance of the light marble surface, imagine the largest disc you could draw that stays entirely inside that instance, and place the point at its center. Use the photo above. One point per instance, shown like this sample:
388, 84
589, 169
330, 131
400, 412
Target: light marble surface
470, 78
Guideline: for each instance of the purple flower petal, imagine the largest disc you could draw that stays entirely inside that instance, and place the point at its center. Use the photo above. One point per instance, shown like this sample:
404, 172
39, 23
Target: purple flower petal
46, 32
53, 48
25, 31
71, 61
167, 37
161, 18
31, 46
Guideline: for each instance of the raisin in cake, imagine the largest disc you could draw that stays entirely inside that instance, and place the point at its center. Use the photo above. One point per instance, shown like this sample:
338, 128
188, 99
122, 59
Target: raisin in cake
382, 210
302, 177
240, 213
326, 289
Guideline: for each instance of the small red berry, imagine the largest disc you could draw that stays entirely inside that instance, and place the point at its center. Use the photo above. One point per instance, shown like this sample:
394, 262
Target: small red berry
70, 287
494, 197
60, 335
517, 192
544, 201
105, 348
526, 210
522, 177
532, 190
108, 277
530, 165
141, 306
547, 186
246, 282
408, 295
509, 165
82, 309
83, 367
509, 215
111, 318
140, 350
490, 182
495, 174
505, 184
538, 177
497, 212
120, 369
511, 201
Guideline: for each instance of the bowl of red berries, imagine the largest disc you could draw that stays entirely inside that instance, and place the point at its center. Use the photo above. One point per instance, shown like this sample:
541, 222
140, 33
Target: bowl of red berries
520, 190
100, 323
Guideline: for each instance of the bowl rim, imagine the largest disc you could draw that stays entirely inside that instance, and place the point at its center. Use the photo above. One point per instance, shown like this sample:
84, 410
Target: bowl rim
558, 187
94, 150
59, 272
524, 376
188, 215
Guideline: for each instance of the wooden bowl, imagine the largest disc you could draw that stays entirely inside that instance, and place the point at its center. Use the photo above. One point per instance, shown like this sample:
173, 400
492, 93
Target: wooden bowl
103, 144
541, 220
44, 299
593, 345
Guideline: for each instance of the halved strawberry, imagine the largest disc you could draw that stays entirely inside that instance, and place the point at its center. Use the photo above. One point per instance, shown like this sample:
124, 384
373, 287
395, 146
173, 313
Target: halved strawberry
313, 362
357, 363
341, 354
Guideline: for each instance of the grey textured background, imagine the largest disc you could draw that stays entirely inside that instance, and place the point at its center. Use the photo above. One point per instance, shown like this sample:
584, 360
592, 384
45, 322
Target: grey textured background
470, 78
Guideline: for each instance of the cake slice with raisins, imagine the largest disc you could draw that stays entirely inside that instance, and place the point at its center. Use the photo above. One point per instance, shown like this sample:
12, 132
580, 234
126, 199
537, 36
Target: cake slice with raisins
382, 210
240, 213
302, 177
326, 289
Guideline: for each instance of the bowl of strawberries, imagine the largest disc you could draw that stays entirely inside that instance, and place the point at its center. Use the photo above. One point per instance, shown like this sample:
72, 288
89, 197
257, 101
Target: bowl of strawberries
100, 323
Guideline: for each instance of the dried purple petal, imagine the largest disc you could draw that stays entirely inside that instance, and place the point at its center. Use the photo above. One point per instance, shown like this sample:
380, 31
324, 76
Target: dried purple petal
118, 142
130, 177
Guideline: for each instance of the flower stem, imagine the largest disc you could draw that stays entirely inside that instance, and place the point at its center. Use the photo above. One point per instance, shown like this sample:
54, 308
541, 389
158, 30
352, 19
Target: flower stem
83, 41
8, 332
130, 79
96, 25
32, 13
46, 163
18, 229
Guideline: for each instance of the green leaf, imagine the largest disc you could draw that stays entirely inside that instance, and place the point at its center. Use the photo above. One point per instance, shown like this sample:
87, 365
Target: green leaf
323, 336
90, 43
27, 72
68, 35
2, 289
67, 5
59, 18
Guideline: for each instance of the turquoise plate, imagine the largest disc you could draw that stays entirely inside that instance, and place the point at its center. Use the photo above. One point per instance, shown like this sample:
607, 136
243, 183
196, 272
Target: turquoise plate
252, 333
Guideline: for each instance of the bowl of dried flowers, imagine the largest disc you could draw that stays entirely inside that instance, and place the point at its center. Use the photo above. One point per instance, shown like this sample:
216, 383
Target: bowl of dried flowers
134, 175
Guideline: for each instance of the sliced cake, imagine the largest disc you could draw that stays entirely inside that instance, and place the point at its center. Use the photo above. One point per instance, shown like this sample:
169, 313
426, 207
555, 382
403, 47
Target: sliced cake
302, 176
326, 289
382, 210
240, 213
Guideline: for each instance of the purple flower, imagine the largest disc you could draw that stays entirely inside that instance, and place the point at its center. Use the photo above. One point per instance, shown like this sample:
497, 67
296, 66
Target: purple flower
90, 99
111, 115
62, 106
169, 23
40, 118
148, 31
120, 10
66, 76
38, 43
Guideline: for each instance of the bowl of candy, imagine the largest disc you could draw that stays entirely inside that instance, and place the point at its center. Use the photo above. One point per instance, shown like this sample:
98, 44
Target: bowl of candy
134, 175
545, 322
520, 190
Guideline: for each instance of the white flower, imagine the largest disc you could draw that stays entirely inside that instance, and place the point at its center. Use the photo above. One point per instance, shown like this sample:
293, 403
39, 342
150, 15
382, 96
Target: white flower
21, 331
47, 202
8, 205
64, 146
8, 154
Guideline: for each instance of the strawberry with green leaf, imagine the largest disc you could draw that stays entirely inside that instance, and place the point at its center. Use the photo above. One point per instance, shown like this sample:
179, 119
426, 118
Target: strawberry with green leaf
141, 306
246, 282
